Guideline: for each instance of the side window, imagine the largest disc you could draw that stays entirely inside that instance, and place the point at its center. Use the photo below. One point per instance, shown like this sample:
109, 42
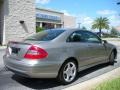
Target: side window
90, 37
74, 37
83, 36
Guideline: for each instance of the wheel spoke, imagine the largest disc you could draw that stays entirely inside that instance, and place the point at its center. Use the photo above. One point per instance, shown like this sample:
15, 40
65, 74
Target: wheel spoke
65, 72
73, 67
73, 71
69, 66
66, 69
72, 74
68, 77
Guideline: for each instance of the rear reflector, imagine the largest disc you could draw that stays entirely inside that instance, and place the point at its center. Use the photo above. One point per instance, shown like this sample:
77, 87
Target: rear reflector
35, 52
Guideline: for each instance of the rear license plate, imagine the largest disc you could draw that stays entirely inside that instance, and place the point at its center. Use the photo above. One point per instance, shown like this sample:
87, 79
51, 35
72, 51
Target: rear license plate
15, 50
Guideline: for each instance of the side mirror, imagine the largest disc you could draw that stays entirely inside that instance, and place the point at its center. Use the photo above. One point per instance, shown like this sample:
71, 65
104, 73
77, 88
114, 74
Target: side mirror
104, 41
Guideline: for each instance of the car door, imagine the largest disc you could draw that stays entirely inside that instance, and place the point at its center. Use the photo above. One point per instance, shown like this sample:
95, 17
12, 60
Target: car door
96, 48
79, 49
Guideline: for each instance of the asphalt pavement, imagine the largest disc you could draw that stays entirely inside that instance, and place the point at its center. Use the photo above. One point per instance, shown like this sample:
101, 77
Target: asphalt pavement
2, 52
10, 81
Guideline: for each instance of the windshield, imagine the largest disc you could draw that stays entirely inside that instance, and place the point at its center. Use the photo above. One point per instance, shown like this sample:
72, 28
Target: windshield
45, 35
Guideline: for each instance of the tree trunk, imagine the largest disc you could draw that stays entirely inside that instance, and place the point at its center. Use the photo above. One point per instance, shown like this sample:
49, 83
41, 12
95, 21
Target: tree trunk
100, 35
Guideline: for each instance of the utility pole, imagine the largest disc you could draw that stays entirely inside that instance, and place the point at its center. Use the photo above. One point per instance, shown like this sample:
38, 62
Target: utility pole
118, 3
63, 25
79, 25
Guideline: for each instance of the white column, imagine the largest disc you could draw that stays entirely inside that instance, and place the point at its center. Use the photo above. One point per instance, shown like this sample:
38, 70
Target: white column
40, 24
55, 26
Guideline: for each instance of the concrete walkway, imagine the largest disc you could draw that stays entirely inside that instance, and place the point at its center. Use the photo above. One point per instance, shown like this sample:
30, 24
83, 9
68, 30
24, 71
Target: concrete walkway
116, 43
92, 83
3, 47
2, 52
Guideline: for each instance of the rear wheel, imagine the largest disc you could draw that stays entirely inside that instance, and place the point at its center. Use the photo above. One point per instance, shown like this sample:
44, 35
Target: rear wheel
112, 58
68, 72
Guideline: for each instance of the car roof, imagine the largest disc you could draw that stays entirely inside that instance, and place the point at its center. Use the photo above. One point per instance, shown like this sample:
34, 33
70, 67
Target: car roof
70, 29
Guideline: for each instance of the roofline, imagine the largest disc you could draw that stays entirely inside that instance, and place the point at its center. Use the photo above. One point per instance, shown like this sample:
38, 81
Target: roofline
50, 10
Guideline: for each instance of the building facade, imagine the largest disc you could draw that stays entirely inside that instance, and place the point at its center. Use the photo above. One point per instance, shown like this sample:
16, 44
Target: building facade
69, 21
117, 28
17, 19
48, 18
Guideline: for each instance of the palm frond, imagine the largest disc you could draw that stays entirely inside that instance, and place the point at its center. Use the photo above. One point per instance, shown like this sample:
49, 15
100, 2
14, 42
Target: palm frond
101, 23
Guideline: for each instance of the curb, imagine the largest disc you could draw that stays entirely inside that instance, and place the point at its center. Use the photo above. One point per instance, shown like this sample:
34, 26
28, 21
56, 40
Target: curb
92, 83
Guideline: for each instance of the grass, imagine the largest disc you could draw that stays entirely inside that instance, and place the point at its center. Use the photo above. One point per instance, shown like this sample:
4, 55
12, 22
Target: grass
109, 85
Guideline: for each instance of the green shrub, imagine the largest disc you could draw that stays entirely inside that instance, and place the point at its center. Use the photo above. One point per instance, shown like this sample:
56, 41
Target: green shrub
39, 29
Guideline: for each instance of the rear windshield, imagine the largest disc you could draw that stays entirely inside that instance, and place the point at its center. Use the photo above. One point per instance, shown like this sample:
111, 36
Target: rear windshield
45, 35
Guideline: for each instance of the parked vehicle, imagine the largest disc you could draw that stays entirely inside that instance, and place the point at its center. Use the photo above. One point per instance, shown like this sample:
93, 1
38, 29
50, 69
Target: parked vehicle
58, 53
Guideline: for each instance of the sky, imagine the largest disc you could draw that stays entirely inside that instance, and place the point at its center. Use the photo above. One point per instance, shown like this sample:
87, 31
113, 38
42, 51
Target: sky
85, 11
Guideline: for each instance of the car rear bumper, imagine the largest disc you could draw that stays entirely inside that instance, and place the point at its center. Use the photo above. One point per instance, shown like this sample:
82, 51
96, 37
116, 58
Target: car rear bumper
43, 70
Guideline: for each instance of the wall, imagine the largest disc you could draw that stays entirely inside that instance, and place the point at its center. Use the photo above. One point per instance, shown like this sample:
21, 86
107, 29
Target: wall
69, 21
16, 11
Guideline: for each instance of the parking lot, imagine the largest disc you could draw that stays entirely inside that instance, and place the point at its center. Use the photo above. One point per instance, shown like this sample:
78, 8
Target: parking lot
10, 81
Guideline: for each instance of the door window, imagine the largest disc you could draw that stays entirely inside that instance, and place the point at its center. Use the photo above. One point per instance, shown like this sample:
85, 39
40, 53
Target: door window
84, 36
74, 37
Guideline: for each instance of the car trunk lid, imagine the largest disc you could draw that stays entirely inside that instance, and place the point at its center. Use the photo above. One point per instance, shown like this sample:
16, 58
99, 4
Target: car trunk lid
17, 50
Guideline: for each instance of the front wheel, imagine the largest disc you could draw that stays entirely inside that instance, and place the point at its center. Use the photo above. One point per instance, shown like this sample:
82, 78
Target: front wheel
112, 58
68, 72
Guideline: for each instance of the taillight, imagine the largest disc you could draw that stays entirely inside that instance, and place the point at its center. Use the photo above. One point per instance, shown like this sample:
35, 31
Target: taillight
35, 52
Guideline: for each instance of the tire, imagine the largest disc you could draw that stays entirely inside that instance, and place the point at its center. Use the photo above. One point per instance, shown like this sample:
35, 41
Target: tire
112, 58
68, 72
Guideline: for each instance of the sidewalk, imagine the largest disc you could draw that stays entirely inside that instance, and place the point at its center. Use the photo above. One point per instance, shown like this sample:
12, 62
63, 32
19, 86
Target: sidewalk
111, 39
3, 47
114, 41
2, 52
92, 83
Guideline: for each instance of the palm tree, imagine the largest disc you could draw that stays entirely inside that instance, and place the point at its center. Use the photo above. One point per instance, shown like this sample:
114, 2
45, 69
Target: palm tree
101, 23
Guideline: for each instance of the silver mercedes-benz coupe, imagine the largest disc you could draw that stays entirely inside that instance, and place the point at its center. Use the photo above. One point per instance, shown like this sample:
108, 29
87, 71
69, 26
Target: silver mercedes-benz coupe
58, 53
